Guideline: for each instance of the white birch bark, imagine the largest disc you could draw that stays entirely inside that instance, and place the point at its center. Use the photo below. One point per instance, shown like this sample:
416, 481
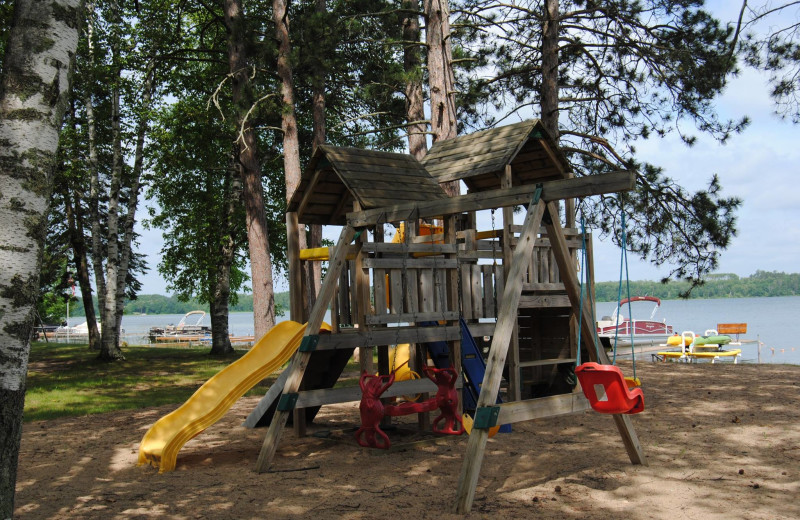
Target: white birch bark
33, 97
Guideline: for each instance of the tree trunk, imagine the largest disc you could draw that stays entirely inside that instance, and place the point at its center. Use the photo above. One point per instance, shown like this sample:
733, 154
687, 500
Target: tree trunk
441, 77
94, 177
320, 72
549, 93
412, 66
291, 141
221, 292
133, 196
42, 42
253, 190
77, 241
109, 333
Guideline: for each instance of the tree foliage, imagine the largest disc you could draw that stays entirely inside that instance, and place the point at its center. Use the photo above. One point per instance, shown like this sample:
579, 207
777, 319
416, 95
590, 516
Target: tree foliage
626, 71
717, 285
771, 42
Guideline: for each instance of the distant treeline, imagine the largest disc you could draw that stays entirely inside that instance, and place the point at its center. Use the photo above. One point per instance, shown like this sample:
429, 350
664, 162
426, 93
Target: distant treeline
762, 283
160, 304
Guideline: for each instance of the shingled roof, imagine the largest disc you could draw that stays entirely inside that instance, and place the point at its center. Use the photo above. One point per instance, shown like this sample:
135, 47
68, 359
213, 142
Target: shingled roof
337, 176
480, 159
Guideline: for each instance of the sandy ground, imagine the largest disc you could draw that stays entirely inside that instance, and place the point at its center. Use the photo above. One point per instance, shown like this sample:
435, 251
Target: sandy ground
722, 441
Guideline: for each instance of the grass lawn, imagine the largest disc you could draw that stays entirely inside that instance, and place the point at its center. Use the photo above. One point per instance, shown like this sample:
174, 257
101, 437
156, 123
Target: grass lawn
68, 381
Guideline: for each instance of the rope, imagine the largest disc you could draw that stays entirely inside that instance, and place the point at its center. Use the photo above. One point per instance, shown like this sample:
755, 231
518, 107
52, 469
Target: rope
583, 270
623, 264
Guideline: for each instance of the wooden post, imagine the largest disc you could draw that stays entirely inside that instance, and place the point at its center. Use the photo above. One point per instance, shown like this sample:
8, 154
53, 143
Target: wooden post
507, 319
300, 359
452, 296
514, 382
295, 268
296, 296
361, 284
596, 353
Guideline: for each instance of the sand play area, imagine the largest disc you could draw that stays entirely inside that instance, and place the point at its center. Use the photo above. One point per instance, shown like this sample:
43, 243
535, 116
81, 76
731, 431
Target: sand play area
722, 442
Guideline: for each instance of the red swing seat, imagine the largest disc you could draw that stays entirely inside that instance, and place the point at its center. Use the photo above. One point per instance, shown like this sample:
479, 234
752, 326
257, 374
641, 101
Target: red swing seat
615, 396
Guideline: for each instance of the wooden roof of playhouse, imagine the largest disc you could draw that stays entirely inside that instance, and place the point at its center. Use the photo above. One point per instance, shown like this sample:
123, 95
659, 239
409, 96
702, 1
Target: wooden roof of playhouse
337, 176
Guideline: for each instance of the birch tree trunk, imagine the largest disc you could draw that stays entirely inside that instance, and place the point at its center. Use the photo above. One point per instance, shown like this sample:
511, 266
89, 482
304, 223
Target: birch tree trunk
109, 332
440, 76
77, 240
33, 98
253, 190
412, 66
94, 177
133, 195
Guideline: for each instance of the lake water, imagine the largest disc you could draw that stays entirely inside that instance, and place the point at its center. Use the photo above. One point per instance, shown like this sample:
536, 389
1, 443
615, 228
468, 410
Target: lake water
775, 322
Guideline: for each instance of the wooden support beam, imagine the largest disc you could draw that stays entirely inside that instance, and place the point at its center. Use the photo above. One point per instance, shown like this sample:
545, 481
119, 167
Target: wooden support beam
552, 406
301, 208
567, 269
514, 379
552, 190
389, 336
300, 359
295, 269
470, 469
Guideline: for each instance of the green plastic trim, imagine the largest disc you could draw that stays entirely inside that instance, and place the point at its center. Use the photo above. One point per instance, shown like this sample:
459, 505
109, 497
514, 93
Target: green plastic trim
537, 194
287, 402
309, 343
486, 417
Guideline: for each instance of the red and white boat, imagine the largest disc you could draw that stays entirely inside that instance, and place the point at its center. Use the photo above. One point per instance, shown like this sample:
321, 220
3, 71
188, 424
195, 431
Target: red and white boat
645, 331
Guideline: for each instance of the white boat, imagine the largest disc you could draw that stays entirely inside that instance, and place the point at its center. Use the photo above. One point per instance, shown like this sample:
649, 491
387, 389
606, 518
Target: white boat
190, 325
644, 331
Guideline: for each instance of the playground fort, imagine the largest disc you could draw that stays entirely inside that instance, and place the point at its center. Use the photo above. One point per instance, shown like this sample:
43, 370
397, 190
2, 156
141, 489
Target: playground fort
435, 287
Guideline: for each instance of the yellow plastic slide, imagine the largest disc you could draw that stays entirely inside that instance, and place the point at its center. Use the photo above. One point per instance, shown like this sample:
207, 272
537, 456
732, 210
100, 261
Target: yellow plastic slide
209, 403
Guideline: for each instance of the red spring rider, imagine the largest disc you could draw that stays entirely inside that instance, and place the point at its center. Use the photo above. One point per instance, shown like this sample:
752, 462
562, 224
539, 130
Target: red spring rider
372, 410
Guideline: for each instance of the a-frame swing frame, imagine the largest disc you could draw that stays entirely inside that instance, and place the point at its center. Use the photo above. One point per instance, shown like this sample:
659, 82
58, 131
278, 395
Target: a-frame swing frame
541, 203
538, 212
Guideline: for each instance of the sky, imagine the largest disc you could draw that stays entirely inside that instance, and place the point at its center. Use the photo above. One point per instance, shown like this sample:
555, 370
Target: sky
760, 166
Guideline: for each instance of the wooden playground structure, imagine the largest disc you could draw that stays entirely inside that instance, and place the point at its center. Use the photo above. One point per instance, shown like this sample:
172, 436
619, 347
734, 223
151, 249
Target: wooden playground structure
516, 283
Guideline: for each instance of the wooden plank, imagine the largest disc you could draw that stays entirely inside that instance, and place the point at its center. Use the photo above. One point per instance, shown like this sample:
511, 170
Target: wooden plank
379, 288
499, 278
569, 276
350, 394
345, 312
410, 248
411, 317
387, 336
489, 300
477, 291
551, 190
473, 459
300, 359
396, 288
466, 291
386, 176
543, 287
542, 407
533, 301
544, 362
308, 191
503, 135
426, 295
411, 263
